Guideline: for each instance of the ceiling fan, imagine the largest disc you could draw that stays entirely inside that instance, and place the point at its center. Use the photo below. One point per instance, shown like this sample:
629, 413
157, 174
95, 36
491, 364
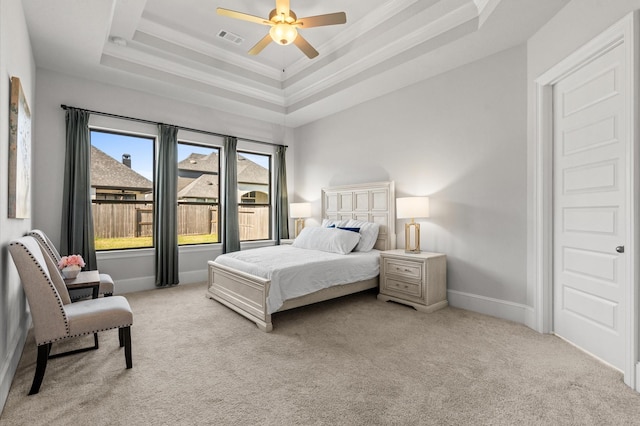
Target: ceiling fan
284, 26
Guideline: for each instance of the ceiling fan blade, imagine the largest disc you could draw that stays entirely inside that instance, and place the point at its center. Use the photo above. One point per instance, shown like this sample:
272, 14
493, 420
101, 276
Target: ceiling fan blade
282, 6
243, 16
321, 20
261, 45
306, 48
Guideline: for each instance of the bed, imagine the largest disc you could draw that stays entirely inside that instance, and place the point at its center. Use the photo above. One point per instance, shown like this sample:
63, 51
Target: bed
249, 289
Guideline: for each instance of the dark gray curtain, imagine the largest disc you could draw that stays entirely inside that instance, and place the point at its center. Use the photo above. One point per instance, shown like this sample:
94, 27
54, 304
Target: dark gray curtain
231, 233
282, 198
77, 217
165, 214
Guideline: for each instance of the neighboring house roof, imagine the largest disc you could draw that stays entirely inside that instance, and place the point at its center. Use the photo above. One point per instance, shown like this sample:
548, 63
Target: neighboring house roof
184, 181
250, 172
107, 172
206, 163
206, 186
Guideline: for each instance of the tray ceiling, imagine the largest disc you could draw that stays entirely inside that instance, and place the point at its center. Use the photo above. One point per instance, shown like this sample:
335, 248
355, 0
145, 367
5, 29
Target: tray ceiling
174, 48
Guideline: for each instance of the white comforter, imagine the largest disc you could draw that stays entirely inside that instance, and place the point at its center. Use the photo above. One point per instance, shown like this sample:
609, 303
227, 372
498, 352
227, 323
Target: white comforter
295, 271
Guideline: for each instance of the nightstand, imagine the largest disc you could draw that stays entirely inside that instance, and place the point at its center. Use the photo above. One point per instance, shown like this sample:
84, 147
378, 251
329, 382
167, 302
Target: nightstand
418, 280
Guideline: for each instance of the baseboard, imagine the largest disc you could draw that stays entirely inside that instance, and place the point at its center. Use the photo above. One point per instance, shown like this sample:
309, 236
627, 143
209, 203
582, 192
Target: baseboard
190, 277
10, 363
149, 282
504, 309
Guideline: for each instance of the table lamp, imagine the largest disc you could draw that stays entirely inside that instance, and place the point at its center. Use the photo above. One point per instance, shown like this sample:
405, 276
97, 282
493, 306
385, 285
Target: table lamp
299, 211
410, 208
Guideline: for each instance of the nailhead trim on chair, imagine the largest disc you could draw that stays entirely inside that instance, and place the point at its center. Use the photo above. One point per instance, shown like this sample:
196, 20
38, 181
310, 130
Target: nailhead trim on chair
64, 314
51, 286
84, 334
38, 237
54, 255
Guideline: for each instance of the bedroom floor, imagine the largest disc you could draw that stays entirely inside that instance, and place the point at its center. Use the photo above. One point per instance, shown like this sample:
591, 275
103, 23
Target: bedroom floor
350, 361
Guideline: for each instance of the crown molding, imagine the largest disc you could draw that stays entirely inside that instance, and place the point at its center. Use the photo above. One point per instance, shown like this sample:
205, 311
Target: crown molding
213, 77
355, 63
196, 44
357, 29
160, 52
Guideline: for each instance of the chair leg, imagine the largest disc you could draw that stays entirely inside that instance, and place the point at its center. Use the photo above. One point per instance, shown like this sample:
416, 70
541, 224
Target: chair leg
126, 334
41, 366
121, 337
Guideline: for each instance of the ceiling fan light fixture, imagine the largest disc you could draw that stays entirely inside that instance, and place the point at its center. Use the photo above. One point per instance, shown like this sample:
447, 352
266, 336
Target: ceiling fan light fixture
284, 26
283, 33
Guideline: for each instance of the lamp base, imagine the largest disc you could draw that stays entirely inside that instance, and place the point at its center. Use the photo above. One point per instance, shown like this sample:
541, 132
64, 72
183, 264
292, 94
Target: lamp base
412, 251
299, 226
407, 237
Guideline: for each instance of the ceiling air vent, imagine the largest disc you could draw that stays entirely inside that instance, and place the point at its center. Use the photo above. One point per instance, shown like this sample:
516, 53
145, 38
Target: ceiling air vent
233, 38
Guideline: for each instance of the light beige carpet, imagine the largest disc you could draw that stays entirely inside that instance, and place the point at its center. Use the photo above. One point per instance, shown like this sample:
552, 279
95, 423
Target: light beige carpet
351, 361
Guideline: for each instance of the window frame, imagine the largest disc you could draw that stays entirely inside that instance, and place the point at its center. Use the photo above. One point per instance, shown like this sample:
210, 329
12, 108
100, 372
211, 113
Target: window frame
95, 201
119, 126
189, 141
271, 203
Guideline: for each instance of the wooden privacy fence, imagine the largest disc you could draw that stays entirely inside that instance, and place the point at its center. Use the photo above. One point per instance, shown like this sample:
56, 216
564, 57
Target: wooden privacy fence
254, 223
128, 220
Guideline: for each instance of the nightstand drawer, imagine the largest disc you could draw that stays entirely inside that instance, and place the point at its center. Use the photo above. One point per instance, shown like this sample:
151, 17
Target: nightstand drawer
404, 269
408, 288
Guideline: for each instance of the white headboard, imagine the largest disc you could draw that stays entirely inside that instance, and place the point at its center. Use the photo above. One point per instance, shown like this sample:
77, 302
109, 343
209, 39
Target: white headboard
371, 202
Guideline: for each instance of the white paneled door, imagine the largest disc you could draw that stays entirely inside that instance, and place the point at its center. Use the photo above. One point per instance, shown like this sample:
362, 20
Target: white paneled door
590, 223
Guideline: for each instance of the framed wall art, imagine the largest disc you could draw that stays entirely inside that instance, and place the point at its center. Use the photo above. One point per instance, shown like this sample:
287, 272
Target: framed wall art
19, 153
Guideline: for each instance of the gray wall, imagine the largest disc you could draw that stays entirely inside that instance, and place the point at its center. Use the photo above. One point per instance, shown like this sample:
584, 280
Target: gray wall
459, 138
16, 60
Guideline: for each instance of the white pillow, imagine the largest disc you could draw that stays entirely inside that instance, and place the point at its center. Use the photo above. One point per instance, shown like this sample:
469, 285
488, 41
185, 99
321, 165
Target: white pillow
326, 223
332, 240
368, 233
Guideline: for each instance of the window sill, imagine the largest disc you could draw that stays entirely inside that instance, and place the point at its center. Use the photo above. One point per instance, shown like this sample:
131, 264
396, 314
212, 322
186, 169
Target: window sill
124, 254
195, 248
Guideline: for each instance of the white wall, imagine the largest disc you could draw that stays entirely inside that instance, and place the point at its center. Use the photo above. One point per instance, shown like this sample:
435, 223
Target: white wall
16, 59
131, 269
459, 138
573, 26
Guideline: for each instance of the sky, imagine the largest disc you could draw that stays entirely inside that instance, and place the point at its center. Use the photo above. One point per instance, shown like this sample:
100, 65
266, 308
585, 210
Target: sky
141, 151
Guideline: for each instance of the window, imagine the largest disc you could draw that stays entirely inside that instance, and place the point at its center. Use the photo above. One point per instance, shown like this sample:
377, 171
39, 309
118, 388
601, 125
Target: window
254, 193
122, 190
198, 194
122, 173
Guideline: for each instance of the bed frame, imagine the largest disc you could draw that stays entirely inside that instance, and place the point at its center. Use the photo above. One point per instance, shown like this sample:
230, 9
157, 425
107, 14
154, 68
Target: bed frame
247, 294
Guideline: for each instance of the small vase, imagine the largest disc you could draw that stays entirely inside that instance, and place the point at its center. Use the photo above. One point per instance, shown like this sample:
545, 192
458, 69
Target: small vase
70, 272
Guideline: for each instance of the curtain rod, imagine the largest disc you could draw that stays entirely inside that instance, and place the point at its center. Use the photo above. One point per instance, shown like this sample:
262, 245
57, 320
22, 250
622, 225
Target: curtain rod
142, 120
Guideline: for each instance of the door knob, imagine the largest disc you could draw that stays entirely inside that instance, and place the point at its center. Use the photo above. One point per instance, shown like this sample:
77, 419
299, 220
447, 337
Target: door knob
620, 249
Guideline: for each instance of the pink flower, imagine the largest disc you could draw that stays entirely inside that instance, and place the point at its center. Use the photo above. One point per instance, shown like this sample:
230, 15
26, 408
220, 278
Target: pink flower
72, 259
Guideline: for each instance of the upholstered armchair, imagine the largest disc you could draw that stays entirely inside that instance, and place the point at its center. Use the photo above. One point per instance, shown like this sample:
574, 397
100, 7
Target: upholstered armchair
106, 283
55, 318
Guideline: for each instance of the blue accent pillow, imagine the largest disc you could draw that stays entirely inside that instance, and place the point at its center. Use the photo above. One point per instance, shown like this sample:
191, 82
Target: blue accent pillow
350, 229
345, 228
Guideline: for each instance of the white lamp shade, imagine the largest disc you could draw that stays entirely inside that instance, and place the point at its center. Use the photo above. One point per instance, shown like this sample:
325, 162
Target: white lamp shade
298, 210
412, 207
